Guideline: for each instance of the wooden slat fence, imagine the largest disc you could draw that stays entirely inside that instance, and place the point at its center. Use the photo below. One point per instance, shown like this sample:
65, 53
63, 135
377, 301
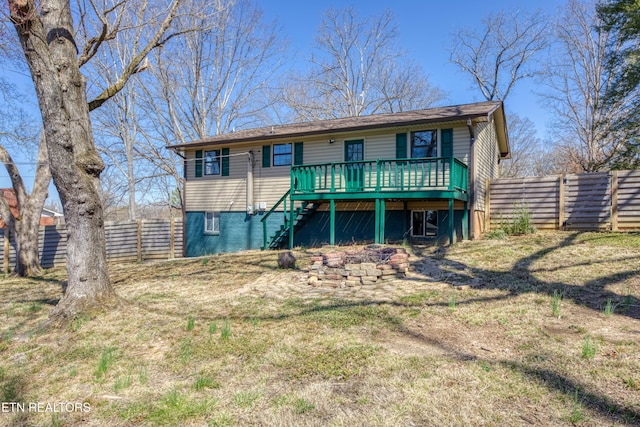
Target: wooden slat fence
127, 241
588, 201
541, 192
627, 197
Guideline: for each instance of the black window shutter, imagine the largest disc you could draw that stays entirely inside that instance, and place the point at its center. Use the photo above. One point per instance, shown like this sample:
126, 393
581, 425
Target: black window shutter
401, 146
266, 156
297, 153
198, 163
225, 162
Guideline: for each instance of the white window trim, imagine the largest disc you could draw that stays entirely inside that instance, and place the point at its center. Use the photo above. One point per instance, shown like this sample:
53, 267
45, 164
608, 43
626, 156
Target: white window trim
215, 227
216, 159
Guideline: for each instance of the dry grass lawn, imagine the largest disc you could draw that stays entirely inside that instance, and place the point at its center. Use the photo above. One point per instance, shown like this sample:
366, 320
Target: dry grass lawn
532, 331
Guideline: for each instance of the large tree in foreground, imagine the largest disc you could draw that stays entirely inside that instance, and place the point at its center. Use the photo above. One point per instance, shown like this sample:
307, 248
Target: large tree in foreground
55, 55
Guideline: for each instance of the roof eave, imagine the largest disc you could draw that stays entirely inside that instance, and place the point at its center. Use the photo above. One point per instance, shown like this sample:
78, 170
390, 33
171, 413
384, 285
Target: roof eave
271, 137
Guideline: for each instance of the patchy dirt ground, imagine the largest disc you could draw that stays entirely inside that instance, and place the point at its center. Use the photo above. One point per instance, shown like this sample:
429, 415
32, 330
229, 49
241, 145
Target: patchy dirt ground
535, 330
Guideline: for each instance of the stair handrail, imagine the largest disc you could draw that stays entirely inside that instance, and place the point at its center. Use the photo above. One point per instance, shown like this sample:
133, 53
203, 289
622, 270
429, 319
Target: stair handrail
273, 208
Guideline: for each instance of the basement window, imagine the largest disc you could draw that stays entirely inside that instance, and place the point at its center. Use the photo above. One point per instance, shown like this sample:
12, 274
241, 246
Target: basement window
212, 223
424, 223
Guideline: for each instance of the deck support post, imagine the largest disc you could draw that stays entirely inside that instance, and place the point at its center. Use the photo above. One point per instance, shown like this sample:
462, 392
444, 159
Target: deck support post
332, 222
291, 224
379, 221
382, 215
451, 222
376, 238
465, 222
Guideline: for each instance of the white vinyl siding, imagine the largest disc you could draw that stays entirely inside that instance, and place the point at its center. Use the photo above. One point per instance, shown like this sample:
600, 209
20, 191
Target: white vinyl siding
216, 193
380, 147
461, 144
320, 151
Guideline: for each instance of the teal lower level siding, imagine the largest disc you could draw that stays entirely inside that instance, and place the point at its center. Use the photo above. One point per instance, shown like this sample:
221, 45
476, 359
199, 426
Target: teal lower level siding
359, 227
238, 232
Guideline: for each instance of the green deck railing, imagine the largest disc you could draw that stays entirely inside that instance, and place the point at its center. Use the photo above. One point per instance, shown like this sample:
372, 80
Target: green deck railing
444, 173
282, 201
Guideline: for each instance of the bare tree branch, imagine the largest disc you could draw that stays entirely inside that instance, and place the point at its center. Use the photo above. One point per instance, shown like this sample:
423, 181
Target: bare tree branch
502, 53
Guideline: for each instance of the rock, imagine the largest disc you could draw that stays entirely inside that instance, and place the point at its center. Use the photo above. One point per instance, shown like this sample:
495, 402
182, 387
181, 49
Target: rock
286, 260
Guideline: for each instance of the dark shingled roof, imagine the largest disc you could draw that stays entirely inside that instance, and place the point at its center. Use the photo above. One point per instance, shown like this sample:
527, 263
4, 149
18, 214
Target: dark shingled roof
376, 121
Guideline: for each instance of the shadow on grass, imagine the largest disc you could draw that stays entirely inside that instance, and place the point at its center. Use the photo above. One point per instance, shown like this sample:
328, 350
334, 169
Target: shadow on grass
551, 380
521, 279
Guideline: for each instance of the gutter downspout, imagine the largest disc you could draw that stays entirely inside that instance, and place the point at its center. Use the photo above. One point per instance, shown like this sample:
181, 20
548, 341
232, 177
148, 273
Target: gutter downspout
250, 203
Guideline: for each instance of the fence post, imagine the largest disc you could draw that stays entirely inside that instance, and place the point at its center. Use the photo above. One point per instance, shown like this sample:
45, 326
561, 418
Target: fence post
614, 200
487, 207
7, 248
561, 201
139, 245
172, 238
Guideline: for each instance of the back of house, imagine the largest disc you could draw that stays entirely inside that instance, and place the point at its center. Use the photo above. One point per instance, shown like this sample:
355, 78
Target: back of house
409, 176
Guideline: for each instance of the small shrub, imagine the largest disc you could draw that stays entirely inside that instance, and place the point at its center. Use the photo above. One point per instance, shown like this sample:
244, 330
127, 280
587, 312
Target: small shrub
519, 224
142, 375
577, 416
121, 383
205, 382
301, 406
609, 308
213, 328
106, 359
225, 332
191, 322
588, 348
452, 302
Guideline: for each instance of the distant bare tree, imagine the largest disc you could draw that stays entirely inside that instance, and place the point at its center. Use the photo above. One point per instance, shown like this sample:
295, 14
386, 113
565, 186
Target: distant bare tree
587, 126
502, 53
357, 68
524, 144
211, 82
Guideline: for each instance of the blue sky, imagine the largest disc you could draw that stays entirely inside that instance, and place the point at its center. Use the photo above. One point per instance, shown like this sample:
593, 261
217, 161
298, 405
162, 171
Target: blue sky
425, 29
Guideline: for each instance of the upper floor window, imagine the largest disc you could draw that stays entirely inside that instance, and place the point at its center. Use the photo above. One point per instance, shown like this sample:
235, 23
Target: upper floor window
282, 154
212, 162
424, 143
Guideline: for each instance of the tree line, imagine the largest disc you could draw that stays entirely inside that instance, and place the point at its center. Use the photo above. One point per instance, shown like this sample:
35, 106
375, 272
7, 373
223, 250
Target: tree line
118, 80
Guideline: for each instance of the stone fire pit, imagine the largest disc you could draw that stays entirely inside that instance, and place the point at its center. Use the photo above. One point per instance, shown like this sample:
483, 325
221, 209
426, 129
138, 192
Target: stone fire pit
352, 267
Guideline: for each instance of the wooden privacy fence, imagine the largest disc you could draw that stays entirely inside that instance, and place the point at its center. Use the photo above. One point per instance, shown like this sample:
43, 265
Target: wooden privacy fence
127, 241
588, 201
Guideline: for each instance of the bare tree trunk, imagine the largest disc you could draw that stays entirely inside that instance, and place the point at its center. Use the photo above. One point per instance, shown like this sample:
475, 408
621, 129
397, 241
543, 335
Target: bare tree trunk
26, 226
51, 52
